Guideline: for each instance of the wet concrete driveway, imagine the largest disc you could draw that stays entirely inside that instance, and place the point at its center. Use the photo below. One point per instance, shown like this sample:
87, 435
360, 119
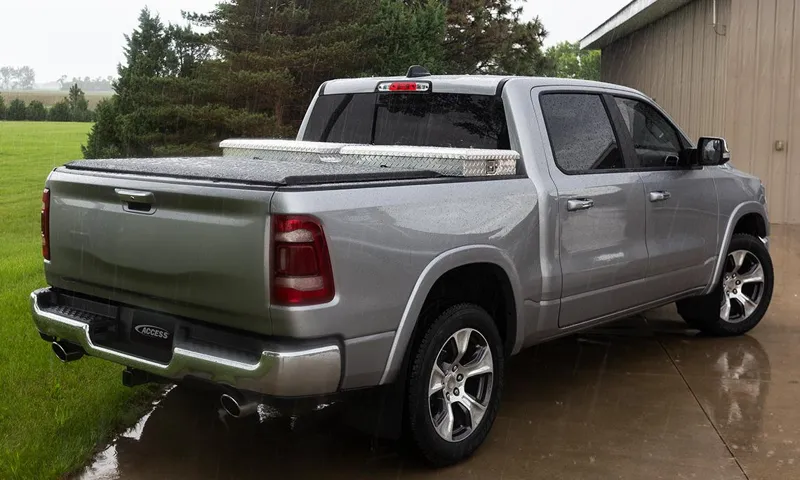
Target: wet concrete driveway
644, 398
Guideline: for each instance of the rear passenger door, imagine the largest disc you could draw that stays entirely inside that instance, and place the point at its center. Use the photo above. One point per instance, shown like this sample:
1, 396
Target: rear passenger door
681, 201
601, 212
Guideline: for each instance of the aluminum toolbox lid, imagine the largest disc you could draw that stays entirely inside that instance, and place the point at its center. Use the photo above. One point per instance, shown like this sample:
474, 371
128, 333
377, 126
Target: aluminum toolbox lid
460, 162
282, 150
281, 145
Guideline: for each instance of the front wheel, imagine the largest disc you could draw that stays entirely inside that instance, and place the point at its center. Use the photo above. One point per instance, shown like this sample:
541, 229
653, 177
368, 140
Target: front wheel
741, 298
455, 384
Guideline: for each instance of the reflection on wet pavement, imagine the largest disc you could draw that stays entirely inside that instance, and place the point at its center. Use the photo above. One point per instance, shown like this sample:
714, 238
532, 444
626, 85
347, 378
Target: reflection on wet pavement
641, 398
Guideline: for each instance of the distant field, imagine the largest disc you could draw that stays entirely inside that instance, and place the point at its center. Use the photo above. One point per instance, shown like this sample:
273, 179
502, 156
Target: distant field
51, 97
51, 415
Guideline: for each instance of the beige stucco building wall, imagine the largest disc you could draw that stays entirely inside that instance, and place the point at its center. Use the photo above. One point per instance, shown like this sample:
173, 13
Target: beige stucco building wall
741, 82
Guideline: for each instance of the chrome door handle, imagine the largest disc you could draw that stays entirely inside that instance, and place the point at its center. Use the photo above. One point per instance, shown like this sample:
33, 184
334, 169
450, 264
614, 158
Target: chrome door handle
575, 204
659, 196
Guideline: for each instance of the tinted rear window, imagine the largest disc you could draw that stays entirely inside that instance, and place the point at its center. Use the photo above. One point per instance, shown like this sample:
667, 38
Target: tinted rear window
429, 119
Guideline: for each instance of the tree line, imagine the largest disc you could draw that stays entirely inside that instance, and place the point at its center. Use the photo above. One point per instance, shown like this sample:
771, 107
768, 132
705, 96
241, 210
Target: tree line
17, 78
87, 84
72, 108
24, 78
255, 67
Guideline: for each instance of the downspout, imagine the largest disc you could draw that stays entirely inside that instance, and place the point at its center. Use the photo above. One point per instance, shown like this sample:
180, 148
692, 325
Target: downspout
714, 19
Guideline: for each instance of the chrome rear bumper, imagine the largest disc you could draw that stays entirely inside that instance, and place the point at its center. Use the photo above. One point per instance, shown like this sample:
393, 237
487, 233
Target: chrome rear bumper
278, 371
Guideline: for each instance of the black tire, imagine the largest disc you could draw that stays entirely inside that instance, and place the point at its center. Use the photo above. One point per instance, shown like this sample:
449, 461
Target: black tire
420, 427
703, 312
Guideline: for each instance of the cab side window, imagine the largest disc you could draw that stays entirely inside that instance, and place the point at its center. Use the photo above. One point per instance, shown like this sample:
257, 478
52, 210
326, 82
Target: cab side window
656, 141
580, 131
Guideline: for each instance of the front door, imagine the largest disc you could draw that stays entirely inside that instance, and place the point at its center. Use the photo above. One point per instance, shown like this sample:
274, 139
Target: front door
681, 202
601, 211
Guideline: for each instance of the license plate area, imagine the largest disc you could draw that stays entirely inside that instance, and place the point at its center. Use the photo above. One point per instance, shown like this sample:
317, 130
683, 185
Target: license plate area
141, 333
152, 335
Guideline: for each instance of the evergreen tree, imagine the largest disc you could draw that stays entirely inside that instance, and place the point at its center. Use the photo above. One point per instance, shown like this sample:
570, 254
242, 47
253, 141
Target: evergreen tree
159, 97
59, 112
254, 71
105, 140
488, 36
275, 53
2, 108
36, 111
17, 110
78, 105
405, 34
77, 99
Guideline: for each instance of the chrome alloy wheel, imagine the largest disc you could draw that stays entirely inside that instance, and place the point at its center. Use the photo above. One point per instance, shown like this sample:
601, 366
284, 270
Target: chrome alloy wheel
460, 385
742, 286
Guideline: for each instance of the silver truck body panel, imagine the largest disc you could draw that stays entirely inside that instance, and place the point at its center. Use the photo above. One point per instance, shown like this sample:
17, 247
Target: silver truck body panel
199, 253
390, 241
681, 232
372, 230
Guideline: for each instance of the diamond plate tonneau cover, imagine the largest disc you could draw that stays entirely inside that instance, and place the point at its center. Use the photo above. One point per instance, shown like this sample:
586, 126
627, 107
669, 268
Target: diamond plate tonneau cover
459, 162
244, 170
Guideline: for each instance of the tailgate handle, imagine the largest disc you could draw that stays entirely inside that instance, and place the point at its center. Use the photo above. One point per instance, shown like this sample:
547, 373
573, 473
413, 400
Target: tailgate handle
136, 196
137, 201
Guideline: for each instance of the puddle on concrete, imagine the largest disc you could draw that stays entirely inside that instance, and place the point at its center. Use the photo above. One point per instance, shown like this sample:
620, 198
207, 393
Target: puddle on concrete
105, 465
644, 398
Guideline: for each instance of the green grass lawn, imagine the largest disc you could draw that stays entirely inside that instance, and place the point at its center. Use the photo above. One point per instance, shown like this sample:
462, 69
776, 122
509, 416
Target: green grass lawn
51, 415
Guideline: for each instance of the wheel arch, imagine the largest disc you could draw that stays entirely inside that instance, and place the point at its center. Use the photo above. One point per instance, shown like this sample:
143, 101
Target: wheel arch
450, 264
748, 217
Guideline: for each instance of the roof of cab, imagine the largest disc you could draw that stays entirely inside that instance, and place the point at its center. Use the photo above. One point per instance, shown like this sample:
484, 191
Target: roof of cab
467, 84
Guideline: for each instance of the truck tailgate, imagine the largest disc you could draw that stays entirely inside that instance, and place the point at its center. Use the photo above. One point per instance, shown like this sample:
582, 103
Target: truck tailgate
163, 243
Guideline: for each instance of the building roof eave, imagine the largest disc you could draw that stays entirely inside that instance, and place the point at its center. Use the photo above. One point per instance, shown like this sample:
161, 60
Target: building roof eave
632, 17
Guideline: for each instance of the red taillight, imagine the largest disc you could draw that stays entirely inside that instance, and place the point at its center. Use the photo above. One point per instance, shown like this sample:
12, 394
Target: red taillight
46, 224
301, 266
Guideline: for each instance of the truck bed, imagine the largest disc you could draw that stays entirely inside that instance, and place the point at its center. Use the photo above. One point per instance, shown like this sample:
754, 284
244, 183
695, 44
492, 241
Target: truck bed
245, 170
136, 231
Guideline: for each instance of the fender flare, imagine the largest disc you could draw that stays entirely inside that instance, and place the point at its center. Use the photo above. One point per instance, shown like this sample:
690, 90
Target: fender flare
439, 266
740, 211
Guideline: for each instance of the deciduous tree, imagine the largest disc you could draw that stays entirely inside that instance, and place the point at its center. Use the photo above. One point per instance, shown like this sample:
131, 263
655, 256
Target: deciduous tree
87, 84
567, 60
13, 78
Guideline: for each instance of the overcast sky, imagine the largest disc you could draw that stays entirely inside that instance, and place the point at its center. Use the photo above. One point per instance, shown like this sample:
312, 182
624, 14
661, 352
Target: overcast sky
84, 37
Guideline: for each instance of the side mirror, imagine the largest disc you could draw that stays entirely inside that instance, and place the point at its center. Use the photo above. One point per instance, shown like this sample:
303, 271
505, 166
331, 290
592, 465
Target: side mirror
712, 151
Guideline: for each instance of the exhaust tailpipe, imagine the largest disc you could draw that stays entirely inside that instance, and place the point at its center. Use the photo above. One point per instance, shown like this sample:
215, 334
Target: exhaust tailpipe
67, 352
238, 406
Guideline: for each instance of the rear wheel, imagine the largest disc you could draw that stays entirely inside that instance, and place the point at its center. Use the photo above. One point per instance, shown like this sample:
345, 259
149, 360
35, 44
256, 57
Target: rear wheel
455, 384
743, 294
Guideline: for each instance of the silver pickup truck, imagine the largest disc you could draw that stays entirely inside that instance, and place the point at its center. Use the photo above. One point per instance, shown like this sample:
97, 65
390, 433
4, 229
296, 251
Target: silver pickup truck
420, 231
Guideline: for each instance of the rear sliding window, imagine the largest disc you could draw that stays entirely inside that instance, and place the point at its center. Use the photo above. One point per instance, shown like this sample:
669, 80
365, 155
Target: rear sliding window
416, 119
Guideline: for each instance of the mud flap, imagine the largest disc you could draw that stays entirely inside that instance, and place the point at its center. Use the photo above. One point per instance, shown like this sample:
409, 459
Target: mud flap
378, 412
